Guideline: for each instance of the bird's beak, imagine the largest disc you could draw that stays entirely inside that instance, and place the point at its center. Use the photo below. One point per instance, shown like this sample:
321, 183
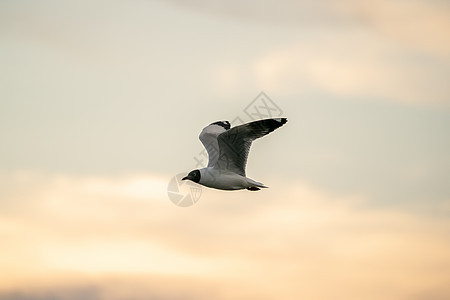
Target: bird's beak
184, 178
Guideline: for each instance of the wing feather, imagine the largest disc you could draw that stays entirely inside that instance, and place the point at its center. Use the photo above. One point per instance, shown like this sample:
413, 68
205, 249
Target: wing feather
234, 144
208, 137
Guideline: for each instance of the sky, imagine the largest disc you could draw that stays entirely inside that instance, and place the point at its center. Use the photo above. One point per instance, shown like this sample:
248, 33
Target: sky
101, 104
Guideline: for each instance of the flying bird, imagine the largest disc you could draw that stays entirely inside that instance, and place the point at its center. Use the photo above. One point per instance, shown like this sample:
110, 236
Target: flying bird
228, 150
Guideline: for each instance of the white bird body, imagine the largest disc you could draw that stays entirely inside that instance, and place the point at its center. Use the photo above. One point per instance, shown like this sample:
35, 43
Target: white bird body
228, 150
226, 180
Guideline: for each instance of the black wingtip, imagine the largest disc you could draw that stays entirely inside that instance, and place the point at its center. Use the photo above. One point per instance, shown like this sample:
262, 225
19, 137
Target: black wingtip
224, 124
253, 188
277, 122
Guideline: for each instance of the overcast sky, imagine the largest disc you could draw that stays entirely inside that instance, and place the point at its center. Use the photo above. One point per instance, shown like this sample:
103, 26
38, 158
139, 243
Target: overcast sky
101, 104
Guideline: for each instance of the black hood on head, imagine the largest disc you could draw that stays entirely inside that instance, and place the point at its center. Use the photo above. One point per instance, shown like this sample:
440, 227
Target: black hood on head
193, 176
224, 124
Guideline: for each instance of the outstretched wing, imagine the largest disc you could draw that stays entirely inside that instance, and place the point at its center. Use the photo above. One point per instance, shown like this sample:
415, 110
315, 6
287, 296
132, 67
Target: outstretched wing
208, 137
234, 144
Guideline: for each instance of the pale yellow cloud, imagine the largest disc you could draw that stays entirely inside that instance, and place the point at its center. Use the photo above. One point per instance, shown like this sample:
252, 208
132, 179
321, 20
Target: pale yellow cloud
289, 242
353, 66
419, 24
389, 50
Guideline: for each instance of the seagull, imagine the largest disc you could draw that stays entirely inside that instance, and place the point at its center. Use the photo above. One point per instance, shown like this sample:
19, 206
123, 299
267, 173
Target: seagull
228, 150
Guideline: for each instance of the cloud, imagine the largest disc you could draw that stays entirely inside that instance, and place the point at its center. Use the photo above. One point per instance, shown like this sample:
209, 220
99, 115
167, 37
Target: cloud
419, 24
354, 66
285, 243
389, 50
393, 50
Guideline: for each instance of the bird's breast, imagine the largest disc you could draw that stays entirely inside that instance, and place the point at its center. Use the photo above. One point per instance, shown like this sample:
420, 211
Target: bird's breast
223, 180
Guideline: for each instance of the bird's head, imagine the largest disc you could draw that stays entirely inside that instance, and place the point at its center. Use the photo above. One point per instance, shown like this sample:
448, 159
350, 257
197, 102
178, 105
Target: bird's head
193, 176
